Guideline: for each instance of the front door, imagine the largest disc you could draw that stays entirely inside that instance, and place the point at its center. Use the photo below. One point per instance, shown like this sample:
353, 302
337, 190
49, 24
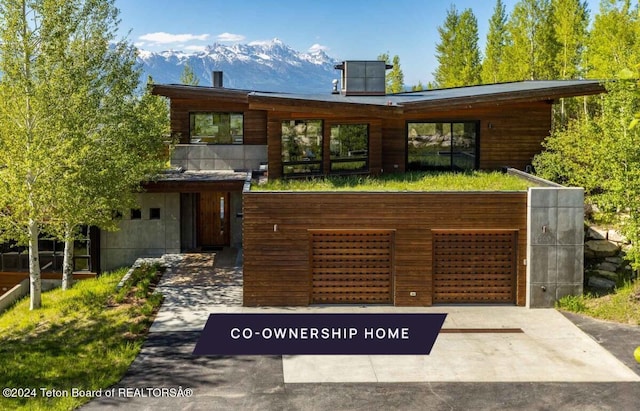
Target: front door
213, 219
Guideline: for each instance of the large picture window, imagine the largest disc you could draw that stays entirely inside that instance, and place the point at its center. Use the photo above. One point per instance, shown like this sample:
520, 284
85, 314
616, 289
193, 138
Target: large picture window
442, 145
301, 147
349, 147
216, 128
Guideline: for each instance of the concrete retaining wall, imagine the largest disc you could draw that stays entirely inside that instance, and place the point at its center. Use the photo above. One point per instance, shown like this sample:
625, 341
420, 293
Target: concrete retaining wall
218, 157
143, 237
555, 244
22, 289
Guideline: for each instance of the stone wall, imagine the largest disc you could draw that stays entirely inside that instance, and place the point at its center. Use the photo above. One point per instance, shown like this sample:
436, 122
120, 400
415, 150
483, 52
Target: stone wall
555, 244
605, 264
144, 237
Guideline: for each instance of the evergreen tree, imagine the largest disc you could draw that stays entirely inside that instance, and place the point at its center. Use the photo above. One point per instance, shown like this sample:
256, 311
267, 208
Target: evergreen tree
492, 65
457, 52
418, 87
72, 127
394, 79
188, 76
531, 49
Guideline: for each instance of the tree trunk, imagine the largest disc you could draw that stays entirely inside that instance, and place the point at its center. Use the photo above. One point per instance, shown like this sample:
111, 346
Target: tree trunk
34, 267
67, 261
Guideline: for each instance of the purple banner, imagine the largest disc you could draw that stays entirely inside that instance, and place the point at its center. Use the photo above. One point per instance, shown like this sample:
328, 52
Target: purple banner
337, 334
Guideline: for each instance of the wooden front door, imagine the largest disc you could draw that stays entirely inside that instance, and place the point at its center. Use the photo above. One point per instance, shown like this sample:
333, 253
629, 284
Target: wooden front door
213, 219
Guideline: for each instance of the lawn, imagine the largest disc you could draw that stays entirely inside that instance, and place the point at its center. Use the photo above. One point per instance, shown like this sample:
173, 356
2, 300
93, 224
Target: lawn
83, 338
622, 306
416, 181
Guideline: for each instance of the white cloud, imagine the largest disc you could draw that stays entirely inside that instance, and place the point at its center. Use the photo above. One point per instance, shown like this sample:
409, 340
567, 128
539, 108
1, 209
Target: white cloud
318, 47
168, 38
195, 48
230, 37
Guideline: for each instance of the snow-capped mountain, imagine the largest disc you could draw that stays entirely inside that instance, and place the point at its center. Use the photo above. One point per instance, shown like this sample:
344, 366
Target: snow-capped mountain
260, 66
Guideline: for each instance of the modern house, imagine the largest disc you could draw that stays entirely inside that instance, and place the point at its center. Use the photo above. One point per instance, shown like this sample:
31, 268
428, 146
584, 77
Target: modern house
225, 135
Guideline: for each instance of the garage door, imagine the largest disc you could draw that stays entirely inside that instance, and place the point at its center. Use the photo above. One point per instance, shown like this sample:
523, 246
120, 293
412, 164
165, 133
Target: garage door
351, 266
474, 266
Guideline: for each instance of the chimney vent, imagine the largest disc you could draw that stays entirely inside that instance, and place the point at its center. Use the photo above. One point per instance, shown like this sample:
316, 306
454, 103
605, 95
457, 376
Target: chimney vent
217, 79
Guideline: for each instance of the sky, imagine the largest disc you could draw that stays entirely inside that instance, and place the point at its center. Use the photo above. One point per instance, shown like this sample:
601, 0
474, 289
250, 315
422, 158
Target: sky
344, 29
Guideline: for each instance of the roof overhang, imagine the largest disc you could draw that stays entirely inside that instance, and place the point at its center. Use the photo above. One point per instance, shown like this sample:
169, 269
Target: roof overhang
180, 91
393, 104
178, 181
506, 93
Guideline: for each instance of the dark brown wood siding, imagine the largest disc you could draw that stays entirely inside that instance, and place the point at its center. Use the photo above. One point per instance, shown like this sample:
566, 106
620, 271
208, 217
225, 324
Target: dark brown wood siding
276, 237
255, 121
509, 135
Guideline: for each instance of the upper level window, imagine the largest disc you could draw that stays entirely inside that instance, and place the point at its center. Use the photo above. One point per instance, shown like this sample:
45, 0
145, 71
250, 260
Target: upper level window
349, 147
301, 147
216, 128
442, 146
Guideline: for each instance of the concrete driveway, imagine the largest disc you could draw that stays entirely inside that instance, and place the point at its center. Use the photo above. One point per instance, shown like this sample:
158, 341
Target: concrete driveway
515, 359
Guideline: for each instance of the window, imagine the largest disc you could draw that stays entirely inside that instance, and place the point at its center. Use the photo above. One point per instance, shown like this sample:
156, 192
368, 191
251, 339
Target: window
136, 214
154, 214
14, 257
349, 147
301, 147
442, 146
216, 128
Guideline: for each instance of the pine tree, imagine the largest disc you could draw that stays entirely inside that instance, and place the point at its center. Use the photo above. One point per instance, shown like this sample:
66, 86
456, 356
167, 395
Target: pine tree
492, 65
532, 47
188, 76
457, 52
394, 79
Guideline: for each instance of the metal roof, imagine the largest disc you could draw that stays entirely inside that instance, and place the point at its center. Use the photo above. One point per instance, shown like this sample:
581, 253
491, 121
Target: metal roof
522, 90
539, 88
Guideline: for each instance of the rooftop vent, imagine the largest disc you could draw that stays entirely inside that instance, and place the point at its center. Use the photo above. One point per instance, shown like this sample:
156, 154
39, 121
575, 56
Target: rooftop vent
363, 78
217, 79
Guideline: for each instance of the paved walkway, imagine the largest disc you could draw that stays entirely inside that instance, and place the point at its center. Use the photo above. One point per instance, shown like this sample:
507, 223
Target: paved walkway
552, 365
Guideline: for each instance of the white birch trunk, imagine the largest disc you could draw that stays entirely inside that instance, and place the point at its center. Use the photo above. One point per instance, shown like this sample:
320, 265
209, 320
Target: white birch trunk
67, 261
34, 267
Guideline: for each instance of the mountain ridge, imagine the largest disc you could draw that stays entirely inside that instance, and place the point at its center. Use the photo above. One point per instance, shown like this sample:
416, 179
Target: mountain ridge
270, 66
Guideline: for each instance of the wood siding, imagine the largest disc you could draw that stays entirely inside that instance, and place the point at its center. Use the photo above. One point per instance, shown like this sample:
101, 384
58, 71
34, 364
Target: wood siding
509, 135
277, 268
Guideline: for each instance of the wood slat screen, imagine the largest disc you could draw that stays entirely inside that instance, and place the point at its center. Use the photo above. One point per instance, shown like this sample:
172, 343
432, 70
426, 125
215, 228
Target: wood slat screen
351, 267
474, 266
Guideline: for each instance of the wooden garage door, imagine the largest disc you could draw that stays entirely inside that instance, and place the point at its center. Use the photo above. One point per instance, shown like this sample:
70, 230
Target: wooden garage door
351, 266
474, 266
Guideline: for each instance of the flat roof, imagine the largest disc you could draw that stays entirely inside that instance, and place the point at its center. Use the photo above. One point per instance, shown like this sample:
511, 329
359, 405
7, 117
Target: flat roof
530, 90
186, 181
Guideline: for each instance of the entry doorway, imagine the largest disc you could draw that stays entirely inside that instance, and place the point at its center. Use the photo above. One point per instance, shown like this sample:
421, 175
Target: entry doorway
213, 219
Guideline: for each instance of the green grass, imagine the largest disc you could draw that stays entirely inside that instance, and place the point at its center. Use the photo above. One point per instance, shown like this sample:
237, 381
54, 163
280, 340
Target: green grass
416, 181
623, 306
83, 338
